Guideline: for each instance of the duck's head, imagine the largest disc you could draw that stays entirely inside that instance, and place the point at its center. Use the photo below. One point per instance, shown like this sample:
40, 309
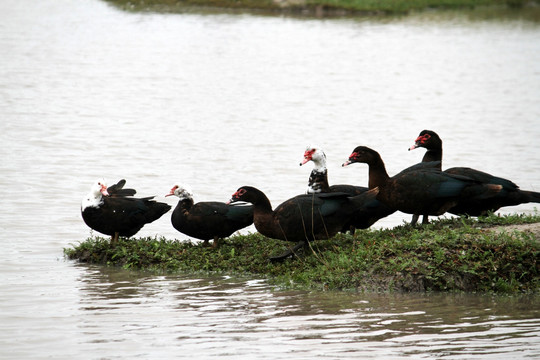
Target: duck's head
427, 139
362, 154
182, 191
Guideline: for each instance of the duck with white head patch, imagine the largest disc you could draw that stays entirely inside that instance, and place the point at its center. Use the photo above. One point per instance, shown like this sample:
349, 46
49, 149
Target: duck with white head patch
207, 220
113, 211
318, 179
318, 183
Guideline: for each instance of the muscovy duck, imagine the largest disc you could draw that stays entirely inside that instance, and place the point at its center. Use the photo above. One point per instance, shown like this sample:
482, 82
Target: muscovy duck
421, 189
318, 179
509, 195
318, 183
209, 219
303, 218
113, 211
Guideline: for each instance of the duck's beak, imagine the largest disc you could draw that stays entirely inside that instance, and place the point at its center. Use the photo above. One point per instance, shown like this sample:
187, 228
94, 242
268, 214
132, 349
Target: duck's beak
171, 193
104, 190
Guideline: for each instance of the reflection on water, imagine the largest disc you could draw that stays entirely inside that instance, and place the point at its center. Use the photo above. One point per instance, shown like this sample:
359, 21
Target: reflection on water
220, 101
234, 316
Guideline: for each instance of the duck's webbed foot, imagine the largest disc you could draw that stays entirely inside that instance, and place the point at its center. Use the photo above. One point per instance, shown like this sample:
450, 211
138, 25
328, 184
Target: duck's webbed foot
289, 252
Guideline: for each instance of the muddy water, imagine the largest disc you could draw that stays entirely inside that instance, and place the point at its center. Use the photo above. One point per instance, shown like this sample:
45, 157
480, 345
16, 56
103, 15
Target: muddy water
110, 313
220, 101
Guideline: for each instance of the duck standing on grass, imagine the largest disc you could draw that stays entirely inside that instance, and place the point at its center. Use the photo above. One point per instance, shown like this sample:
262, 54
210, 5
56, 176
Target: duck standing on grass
421, 189
207, 220
303, 218
510, 194
113, 211
318, 183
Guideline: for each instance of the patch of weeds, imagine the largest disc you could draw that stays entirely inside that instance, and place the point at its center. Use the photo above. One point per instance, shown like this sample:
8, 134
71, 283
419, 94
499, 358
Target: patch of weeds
460, 254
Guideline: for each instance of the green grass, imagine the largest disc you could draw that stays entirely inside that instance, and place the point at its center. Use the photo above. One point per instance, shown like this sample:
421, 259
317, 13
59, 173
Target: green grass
311, 6
448, 255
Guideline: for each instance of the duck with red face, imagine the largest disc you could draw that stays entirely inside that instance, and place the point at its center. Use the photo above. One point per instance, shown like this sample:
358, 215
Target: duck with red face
303, 218
207, 220
510, 194
318, 183
419, 190
113, 211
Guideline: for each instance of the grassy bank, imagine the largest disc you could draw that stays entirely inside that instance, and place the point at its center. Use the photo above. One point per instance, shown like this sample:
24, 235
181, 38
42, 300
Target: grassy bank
448, 255
317, 7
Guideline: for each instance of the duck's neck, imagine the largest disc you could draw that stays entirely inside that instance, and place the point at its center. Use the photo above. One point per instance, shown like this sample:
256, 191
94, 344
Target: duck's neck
261, 204
434, 150
263, 218
318, 179
93, 199
318, 182
319, 164
184, 205
433, 155
377, 174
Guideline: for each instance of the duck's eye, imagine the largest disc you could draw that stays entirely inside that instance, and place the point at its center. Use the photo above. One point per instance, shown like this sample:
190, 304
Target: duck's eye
240, 192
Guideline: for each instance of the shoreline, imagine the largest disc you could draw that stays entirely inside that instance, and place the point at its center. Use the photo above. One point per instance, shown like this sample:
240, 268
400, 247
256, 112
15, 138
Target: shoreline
492, 254
319, 8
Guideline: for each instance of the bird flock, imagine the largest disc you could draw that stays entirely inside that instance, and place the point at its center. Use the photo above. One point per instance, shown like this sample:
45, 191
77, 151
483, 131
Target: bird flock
423, 189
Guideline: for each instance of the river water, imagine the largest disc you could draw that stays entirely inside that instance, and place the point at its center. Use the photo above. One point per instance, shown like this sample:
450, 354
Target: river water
217, 101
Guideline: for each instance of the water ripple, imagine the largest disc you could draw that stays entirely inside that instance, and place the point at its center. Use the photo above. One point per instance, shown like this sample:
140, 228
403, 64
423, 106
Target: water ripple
220, 101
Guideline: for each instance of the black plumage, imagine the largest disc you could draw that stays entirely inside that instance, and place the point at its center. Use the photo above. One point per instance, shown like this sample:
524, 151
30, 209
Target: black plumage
421, 189
117, 190
210, 219
509, 195
116, 213
303, 218
318, 183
